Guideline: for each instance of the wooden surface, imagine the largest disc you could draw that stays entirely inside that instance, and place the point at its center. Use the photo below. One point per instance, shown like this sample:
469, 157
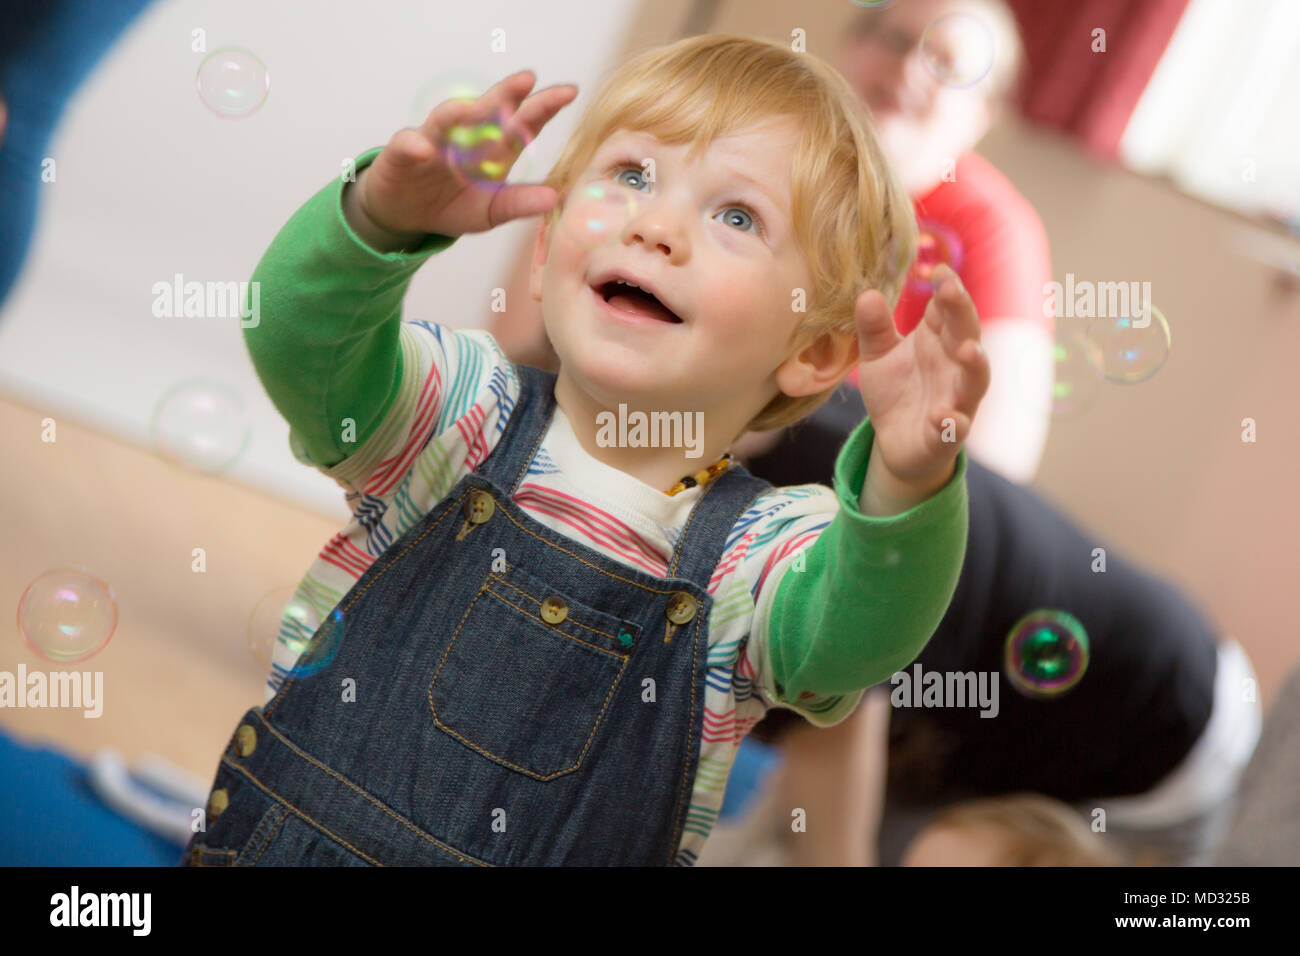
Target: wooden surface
178, 671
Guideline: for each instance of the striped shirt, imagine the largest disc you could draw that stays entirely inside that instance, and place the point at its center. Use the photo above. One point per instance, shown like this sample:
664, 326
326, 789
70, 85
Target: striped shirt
432, 403
456, 395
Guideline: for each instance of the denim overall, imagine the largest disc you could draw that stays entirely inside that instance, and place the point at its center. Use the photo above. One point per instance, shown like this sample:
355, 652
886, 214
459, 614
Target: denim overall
504, 708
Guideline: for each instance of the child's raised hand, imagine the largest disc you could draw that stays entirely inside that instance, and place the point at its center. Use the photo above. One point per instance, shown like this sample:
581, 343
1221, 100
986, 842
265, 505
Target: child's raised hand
412, 187
922, 391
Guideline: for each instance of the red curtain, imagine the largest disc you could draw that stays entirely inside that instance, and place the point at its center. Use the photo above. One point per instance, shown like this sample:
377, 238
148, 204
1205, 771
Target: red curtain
1091, 94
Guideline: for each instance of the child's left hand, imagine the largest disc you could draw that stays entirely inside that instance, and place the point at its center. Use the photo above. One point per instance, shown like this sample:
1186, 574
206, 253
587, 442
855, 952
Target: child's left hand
921, 391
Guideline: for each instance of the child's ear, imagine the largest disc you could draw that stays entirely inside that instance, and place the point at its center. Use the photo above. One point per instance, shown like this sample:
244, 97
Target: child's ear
819, 364
540, 251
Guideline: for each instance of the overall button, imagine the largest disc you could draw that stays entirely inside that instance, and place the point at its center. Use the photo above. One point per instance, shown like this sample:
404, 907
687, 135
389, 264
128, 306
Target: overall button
682, 607
554, 610
217, 803
479, 507
245, 740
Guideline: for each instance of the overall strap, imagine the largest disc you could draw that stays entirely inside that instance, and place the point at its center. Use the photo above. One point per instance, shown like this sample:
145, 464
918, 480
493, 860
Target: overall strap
708, 529
709, 526
526, 425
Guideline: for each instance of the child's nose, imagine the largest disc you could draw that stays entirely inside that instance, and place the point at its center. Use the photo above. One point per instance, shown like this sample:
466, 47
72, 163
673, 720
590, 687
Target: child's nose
661, 227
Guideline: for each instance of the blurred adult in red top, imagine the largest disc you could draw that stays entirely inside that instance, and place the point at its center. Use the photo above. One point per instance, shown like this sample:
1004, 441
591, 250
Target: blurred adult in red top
928, 127
932, 97
968, 213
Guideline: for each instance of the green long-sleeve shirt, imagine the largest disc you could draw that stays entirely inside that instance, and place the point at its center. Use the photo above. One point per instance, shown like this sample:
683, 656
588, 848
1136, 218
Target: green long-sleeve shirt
326, 345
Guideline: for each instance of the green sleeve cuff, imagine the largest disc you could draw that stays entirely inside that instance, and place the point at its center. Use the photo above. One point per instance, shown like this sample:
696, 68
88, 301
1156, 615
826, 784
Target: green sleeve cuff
326, 346
431, 243
872, 590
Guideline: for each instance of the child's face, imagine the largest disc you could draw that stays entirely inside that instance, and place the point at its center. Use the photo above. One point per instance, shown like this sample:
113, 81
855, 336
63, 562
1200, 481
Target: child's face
714, 240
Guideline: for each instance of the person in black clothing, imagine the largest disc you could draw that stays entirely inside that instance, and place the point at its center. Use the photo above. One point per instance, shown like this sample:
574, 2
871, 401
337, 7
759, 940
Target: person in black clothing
1134, 735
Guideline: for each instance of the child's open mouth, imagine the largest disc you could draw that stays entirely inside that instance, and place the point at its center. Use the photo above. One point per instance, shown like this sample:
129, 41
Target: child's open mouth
624, 297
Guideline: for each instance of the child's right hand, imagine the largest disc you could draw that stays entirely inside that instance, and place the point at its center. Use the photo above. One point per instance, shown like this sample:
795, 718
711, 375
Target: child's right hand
411, 189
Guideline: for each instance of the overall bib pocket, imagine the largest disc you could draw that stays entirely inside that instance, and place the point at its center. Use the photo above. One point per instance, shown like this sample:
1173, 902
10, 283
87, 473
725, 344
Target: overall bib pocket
529, 674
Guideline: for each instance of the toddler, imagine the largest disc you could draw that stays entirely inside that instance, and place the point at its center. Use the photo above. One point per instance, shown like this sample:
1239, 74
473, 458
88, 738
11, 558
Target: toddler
532, 645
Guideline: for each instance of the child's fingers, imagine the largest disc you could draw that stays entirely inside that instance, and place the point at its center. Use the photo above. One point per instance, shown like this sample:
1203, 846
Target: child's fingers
540, 108
409, 147
520, 202
974, 375
875, 323
503, 96
956, 303
952, 316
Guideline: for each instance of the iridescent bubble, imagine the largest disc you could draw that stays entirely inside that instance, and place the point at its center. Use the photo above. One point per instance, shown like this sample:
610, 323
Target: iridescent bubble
1122, 351
1046, 653
310, 635
597, 213
935, 243
67, 615
958, 49
871, 3
1075, 382
1061, 383
200, 425
233, 82
445, 86
483, 154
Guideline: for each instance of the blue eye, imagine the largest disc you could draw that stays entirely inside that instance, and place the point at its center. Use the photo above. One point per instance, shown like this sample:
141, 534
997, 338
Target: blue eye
735, 212
634, 170
738, 216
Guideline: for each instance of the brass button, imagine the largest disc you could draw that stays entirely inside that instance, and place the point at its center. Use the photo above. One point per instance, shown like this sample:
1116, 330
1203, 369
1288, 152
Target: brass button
245, 740
554, 610
217, 804
479, 507
682, 607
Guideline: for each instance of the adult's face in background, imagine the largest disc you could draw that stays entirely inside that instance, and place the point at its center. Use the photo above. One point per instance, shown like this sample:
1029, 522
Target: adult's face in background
923, 123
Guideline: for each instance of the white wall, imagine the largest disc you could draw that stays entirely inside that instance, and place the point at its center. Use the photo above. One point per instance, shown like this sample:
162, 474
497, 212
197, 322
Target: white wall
151, 183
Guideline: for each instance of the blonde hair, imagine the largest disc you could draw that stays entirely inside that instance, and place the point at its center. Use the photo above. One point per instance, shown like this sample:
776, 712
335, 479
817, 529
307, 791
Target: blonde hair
852, 220
1038, 830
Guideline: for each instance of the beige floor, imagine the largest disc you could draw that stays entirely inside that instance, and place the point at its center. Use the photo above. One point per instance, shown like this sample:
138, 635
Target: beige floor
178, 671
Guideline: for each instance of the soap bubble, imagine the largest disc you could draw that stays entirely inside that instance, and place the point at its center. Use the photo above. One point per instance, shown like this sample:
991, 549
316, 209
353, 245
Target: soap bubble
1046, 653
935, 243
1075, 382
597, 213
958, 49
484, 154
67, 615
286, 617
871, 3
200, 425
233, 82
1123, 353
1062, 386
445, 86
